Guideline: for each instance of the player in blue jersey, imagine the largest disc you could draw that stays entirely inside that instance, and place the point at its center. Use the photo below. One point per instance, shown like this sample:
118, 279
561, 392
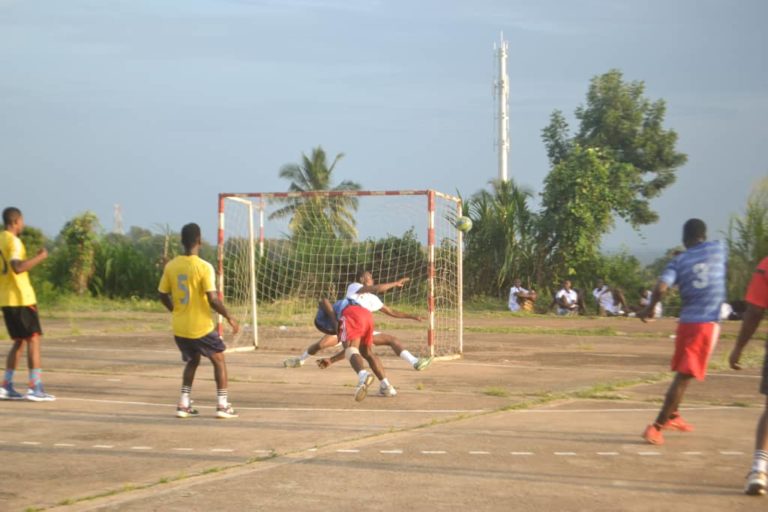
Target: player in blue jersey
699, 273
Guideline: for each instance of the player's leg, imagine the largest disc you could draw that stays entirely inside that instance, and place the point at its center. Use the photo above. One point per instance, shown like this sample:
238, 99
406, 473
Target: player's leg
7, 391
757, 479
327, 341
212, 347
386, 388
668, 417
418, 363
190, 354
30, 323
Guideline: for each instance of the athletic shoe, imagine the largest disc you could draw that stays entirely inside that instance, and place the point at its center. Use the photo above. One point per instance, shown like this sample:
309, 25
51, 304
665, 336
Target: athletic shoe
388, 391
186, 412
422, 363
757, 481
293, 362
9, 393
226, 413
39, 395
362, 387
653, 435
677, 423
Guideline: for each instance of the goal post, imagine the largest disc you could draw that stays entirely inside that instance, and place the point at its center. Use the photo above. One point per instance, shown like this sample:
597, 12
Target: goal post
280, 252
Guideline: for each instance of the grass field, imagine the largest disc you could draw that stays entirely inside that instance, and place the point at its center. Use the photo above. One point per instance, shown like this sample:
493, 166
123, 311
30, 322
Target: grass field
541, 413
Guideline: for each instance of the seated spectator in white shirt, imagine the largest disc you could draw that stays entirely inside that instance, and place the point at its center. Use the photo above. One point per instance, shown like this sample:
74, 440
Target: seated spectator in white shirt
521, 299
567, 300
610, 301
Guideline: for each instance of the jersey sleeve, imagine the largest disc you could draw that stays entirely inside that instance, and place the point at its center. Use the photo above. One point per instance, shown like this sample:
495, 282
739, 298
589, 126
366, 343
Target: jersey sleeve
669, 276
352, 290
208, 281
165, 282
16, 250
757, 292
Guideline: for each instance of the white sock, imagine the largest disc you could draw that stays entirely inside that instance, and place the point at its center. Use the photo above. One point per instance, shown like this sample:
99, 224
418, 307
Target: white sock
221, 395
304, 356
760, 462
184, 401
409, 357
362, 375
385, 383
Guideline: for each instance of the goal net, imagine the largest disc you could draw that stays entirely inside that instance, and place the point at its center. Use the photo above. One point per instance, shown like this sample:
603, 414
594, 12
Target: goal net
280, 253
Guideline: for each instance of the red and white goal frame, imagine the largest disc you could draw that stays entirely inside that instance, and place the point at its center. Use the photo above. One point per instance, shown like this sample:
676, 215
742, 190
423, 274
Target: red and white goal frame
269, 275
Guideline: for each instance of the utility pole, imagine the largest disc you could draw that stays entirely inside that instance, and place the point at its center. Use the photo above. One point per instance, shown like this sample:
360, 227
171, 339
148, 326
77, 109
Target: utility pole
502, 96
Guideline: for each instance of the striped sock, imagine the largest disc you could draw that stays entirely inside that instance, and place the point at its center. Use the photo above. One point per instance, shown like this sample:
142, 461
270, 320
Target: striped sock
186, 391
221, 395
8, 378
760, 462
35, 379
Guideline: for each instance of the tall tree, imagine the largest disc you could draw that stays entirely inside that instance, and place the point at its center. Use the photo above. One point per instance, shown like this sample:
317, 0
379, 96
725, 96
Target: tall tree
333, 215
747, 240
77, 256
627, 128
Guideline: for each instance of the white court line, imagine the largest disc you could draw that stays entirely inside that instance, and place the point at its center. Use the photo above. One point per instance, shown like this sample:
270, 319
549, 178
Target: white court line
521, 453
565, 454
31, 443
608, 454
141, 447
183, 449
479, 453
68, 445
433, 452
693, 453
106, 446
312, 450
222, 450
393, 452
343, 450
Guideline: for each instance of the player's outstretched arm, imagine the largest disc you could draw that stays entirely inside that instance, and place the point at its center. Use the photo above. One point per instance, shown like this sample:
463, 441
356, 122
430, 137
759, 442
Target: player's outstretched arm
218, 306
383, 287
400, 314
749, 324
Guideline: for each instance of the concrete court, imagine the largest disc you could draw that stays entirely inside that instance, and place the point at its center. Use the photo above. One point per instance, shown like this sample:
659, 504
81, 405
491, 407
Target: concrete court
439, 444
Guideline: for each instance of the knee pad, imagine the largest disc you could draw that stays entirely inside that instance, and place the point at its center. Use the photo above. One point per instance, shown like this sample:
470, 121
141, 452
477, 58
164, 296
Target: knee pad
350, 351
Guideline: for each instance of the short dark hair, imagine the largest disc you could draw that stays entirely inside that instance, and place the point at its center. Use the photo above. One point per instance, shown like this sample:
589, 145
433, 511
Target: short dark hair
360, 273
10, 215
190, 234
694, 229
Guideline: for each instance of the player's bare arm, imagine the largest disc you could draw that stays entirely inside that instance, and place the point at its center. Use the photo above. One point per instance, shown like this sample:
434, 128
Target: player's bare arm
400, 314
383, 287
326, 306
20, 266
218, 306
166, 300
658, 293
749, 324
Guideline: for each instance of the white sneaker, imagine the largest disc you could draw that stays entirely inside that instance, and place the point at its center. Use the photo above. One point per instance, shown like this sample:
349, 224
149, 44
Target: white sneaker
361, 391
39, 395
757, 481
293, 362
388, 391
226, 413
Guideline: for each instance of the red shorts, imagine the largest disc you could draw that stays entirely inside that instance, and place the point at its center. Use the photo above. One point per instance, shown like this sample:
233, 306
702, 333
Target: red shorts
694, 343
356, 322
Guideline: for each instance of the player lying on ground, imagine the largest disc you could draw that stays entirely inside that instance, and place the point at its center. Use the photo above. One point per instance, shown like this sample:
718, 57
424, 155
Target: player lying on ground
361, 293
187, 290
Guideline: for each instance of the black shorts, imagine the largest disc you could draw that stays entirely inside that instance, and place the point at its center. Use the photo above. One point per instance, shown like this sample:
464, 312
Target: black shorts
208, 345
22, 322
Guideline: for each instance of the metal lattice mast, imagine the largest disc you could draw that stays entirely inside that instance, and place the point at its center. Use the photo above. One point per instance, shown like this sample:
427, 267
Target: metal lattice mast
502, 96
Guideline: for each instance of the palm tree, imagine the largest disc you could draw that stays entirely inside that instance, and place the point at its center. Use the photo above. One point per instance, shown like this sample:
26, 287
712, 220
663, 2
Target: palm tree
500, 246
333, 215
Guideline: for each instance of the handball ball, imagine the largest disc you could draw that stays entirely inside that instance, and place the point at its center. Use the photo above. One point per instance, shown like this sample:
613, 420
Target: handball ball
464, 224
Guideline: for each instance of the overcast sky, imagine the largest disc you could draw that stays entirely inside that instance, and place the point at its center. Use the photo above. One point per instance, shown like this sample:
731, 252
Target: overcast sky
158, 105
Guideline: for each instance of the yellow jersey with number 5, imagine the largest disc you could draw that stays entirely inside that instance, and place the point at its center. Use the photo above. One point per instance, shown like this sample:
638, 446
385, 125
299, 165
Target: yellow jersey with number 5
15, 289
188, 279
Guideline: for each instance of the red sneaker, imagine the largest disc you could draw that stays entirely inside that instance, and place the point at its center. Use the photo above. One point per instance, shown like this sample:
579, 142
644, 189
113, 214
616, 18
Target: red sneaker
652, 435
678, 423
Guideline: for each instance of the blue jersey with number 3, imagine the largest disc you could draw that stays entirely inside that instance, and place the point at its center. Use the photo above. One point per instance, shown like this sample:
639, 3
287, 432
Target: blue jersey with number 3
699, 272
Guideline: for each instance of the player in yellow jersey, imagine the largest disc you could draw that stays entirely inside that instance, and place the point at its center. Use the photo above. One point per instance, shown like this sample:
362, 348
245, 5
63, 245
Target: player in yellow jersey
187, 289
17, 299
